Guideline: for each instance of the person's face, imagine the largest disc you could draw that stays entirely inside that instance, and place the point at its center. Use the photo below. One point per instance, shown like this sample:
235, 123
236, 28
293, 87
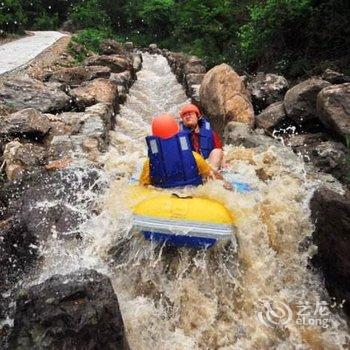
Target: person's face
190, 119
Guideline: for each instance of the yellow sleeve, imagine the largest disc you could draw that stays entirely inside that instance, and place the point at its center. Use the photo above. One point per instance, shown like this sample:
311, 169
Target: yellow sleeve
145, 178
203, 167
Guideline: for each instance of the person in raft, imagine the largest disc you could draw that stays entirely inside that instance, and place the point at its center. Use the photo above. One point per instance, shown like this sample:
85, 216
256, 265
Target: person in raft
172, 163
204, 139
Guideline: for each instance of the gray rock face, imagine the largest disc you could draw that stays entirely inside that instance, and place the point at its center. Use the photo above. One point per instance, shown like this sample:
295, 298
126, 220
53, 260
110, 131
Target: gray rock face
96, 91
59, 193
300, 100
75, 311
241, 134
116, 63
326, 155
266, 89
333, 107
331, 212
27, 121
77, 75
270, 117
21, 93
77, 128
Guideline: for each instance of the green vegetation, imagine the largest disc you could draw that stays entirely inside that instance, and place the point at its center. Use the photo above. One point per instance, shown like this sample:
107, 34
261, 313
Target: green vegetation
293, 37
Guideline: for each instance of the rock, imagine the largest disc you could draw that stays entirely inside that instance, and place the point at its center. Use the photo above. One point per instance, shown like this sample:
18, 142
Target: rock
326, 155
192, 85
58, 164
271, 117
136, 61
194, 79
116, 63
153, 49
20, 156
95, 122
74, 76
335, 77
224, 98
75, 311
122, 79
241, 134
333, 107
27, 122
20, 93
111, 47
266, 89
193, 93
330, 212
128, 46
52, 204
300, 100
18, 252
6, 110
194, 66
95, 91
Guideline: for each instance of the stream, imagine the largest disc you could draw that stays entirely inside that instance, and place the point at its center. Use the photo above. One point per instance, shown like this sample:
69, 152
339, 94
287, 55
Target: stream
262, 294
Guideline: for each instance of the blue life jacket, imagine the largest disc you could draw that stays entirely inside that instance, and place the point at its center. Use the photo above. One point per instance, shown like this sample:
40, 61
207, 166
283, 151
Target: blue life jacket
172, 163
206, 138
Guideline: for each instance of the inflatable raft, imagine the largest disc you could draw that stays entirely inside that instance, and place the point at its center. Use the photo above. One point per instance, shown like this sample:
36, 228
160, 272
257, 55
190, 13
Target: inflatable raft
182, 221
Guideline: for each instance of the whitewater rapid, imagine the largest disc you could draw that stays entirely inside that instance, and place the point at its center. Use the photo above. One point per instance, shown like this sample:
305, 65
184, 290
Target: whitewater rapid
181, 299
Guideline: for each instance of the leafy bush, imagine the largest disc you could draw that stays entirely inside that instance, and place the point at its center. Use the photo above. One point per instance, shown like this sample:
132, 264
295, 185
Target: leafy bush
90, 14
46, 22
88, 40
12, 17
275, 27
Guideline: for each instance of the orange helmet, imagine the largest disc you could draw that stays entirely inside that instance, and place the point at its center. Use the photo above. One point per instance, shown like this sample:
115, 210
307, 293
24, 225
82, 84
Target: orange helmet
188, 109
164, 126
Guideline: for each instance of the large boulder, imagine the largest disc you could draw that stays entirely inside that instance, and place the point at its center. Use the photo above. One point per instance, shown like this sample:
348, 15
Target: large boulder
224, 98
111, 47
51, 204
271, 117
117, 63
20, 93
333, 107
75, 311
326, 155
74, 76
335, 77
300, 100
242, 134
331, 214
95, 91
266, 89
27, 122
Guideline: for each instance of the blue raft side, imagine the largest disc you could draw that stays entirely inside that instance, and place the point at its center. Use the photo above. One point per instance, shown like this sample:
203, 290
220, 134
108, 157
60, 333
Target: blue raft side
180, 241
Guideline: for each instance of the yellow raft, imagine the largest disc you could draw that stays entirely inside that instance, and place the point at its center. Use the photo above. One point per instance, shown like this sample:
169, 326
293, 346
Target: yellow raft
181, 221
